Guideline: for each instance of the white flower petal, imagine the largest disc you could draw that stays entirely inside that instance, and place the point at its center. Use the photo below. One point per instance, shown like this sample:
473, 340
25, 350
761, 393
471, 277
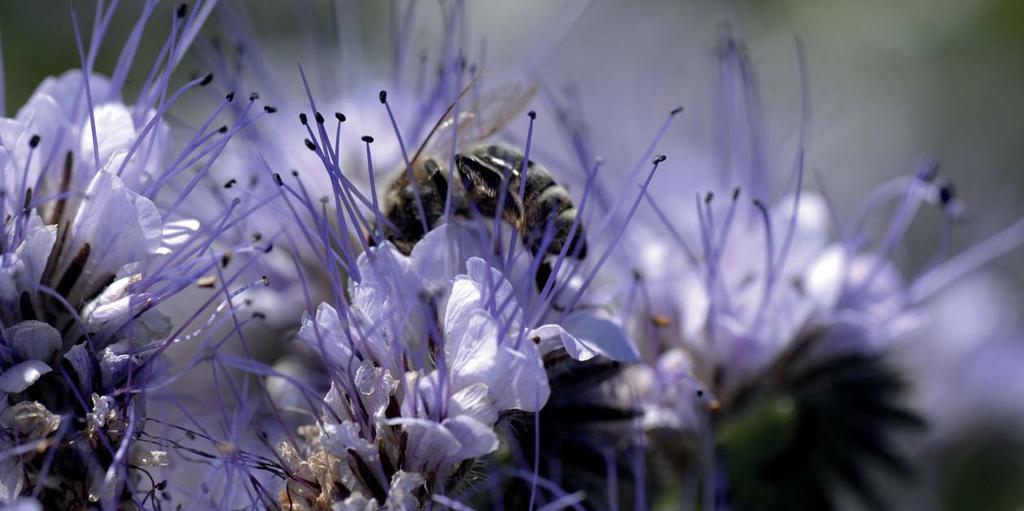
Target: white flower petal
12, 480
600, 335
810, 232
475, 438
823, 281
115, 131
471, 347
21, 376
475, 402
34, 340
429, 444
325, 334
119, 225
524, 383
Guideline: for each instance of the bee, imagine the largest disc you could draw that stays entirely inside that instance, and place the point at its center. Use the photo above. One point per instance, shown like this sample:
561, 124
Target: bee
484, 171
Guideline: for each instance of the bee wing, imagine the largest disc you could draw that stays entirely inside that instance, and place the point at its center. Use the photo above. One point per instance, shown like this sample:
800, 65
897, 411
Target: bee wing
488, 115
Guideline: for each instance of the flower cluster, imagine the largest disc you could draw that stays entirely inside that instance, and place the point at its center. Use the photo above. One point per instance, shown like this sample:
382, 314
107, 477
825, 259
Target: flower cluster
93, 243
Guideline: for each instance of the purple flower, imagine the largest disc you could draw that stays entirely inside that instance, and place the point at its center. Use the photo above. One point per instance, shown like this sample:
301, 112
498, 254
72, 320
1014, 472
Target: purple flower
94, 243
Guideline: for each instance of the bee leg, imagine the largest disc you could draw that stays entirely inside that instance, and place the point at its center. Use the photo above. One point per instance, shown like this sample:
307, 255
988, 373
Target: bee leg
440, 182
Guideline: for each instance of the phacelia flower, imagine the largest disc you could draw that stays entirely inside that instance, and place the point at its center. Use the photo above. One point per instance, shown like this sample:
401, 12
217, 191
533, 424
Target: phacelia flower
93, 243
758, 320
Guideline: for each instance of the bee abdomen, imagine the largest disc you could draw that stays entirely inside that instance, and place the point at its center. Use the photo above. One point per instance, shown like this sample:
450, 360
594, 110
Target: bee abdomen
553, 206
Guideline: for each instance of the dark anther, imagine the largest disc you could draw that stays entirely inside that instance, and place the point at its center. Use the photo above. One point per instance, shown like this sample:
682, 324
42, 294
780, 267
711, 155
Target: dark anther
309, 144
225, 259
383, 96
259, 315
231, 182
206, 80
182, 9
269, 109
676, 110
303, 119
230, 96
269, 248
319, 117
658, 159
735, 193
367, 138
708, 197
339, 116
223, 129
256, 236
253, 96
531, 114
278, 180
295, 173
700, 393
947, 193
34, 141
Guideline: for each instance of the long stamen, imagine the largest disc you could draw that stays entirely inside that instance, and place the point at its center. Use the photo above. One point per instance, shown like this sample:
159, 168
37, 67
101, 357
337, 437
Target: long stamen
769, 264
632, 210
935, 280
86, 71
901, 220
455, 126
383, 96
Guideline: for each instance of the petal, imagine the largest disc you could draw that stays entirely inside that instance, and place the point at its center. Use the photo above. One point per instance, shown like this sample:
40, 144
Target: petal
694, 302
119, 225
823, 281
441, 255
12, 481
42, 116
810, 232
496, 293
81, 362
402, 494
21, 376
34, 252
115, 131
463, 300
67, 90
586, 335
523, 383
471, 349
475, 402
551, 337
325, 334
475, 438
599, 335
430, 443
34, 340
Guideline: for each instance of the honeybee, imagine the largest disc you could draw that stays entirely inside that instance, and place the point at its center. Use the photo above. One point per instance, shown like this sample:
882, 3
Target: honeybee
483, 171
